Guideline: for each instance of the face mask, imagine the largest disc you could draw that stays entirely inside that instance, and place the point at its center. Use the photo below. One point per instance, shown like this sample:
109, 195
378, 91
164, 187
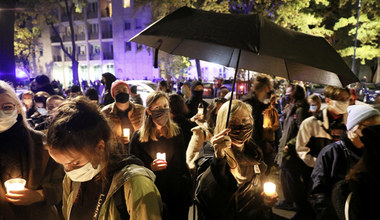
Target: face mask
7, 119
239, 134
42, 111
184, 91
313, 108
160, 116
197, 94
84, 174
27, 102
339, 107
122, 97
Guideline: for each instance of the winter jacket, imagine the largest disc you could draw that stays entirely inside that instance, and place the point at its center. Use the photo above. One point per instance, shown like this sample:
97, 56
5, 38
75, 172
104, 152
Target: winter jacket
142, 198
39, 170
295, 114
220, 197
135, 115
332, 165
315, 133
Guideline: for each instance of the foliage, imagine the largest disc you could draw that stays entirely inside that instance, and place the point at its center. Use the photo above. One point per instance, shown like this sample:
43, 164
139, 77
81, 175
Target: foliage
334, 20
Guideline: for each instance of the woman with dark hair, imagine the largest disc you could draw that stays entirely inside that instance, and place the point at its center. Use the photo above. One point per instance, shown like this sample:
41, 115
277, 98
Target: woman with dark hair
23, 155
203, 132
107, 80
295, 112
178, 110
159, 134
100, 182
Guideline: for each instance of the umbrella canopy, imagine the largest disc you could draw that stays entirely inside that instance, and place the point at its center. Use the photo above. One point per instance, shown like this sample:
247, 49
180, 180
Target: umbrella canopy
265, 47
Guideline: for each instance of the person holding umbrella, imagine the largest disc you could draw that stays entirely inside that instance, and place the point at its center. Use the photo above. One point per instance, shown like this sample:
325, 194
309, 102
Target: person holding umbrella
231, 187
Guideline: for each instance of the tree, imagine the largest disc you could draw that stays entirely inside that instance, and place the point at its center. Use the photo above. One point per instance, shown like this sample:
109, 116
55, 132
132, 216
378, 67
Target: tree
43, 12
334, 20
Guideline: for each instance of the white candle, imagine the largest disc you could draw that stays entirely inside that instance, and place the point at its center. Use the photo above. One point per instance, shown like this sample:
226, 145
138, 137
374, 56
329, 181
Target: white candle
126, 132
161, 156
15, 184
269, 189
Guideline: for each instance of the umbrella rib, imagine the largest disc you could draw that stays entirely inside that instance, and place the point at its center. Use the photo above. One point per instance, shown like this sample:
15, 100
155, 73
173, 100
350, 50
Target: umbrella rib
171, 52
232, 54
287, 70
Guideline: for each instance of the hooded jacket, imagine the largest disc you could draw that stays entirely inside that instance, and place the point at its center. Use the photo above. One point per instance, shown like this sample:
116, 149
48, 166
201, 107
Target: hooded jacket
143, 200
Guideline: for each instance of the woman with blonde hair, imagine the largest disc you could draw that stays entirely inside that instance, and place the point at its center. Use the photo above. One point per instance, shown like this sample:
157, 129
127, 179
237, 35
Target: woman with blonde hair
23, 155
231, 187
159, 134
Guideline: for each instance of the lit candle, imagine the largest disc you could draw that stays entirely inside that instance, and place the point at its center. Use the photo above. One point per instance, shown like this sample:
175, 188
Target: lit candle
161, 156
15, 184
269, 189
126, 132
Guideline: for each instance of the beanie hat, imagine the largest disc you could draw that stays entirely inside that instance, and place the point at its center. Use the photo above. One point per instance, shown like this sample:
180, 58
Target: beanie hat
116, 83
195, 84
359, 113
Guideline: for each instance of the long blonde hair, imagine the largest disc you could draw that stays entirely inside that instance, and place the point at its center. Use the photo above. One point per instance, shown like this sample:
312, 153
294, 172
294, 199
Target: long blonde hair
5, 88
148, 129
221, 121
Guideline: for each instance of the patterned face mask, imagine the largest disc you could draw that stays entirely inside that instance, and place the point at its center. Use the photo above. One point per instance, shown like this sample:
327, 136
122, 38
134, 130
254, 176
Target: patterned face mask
239, 134
161, 116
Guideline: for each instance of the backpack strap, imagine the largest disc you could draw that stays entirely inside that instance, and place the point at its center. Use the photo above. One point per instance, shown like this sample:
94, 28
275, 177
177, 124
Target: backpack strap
120, 203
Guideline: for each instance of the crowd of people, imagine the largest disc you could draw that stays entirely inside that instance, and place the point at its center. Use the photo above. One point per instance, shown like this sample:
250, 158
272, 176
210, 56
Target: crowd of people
87, 154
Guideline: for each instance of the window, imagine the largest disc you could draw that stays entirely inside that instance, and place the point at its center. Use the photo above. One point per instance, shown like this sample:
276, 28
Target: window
139, 47
128, 46
127, 3
96, 49
93, 7
94, 28
82, 50
41, 52
81, 29
69, 49
127, 25
138, 23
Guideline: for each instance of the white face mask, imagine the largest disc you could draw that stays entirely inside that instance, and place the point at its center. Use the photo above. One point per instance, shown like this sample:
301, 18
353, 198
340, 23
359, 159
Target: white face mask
85, 173
313, 108
42, 111
7, 119
339, 107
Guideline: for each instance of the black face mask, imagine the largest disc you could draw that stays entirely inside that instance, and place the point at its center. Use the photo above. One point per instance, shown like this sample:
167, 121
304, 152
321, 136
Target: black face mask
239, 134
160, 116
197, 94
122, 97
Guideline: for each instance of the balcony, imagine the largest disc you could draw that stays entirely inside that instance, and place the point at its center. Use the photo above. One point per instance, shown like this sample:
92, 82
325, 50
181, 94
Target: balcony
78, 16
80, 36
66, 38
92, 14
93, 36
95, 56
82, 57
54, 39
106, 34
64, 18
107, 56
57, 58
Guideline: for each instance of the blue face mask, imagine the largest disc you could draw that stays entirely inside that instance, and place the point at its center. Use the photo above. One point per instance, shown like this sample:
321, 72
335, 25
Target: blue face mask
313, 108
42, 111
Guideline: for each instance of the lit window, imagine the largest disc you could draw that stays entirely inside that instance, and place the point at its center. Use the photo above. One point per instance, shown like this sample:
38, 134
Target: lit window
127, 3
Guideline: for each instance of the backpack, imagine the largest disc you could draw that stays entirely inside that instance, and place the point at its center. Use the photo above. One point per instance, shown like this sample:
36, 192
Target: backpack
206, 153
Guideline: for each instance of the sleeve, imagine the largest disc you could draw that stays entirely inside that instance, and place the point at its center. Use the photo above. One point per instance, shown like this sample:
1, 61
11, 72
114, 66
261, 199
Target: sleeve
303, 137
194, 146
143, 199
52, 185
301, 115
321, 172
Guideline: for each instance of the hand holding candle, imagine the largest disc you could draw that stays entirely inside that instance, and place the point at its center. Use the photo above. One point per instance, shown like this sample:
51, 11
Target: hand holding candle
269, 189
160, 162
15, 184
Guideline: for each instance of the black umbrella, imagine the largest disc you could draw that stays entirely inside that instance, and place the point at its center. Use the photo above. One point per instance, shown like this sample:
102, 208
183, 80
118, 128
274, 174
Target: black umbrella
250, 42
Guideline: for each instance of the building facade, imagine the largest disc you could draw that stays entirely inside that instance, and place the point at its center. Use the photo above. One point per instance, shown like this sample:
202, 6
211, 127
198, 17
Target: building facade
102, 31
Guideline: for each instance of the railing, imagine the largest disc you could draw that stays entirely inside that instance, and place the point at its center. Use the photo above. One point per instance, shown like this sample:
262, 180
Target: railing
57, 58
54, 39
92, 14
106, 34
93, 36
95, 56
107, 56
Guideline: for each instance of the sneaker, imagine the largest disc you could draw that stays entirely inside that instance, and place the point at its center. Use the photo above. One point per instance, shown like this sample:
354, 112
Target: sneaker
286, 205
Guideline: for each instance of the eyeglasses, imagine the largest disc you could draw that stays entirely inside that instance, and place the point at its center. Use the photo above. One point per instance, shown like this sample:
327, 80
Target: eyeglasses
8, 107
